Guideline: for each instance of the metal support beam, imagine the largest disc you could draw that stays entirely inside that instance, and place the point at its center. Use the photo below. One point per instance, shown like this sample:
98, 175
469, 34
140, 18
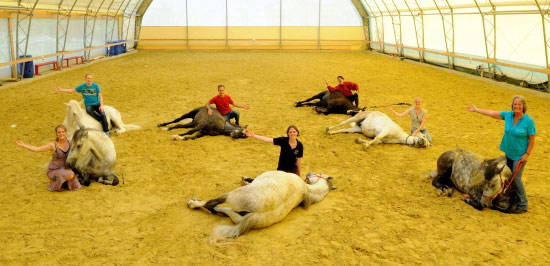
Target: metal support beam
364, 17
378, 22
396, 24
544, 9
418, 21
110, 23
63, 19
140, 12
89, 27
226, 26
12, 49
447, 18
281, 24
489, 32
24, 19
129, 12
319, 28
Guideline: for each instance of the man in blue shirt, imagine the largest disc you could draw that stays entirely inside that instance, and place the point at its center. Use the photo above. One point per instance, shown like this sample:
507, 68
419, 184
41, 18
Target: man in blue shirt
93, 100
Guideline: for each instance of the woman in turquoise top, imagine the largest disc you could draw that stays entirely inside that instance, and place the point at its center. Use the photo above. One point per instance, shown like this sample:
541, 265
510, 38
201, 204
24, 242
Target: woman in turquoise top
517, 143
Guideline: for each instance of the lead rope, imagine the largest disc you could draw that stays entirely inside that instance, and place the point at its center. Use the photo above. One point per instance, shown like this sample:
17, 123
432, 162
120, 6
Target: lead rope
506, 186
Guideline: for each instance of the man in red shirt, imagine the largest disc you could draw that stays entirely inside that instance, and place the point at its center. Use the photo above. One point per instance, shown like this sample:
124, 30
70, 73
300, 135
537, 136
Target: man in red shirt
346, 88
222, 103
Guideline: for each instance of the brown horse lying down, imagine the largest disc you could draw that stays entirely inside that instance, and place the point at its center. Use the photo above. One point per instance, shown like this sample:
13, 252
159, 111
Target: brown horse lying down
329, 103
205, 125
265, 201
484, 181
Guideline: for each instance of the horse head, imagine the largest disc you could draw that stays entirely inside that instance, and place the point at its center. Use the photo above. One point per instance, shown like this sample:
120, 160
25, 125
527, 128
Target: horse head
238, 132
497, 176
73, 117
313, 178
421, 141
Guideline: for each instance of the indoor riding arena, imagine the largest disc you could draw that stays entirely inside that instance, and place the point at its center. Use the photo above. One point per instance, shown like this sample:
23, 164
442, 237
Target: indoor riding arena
164, 59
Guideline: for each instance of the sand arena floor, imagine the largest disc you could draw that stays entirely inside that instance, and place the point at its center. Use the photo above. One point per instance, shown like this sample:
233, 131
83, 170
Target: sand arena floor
384, 211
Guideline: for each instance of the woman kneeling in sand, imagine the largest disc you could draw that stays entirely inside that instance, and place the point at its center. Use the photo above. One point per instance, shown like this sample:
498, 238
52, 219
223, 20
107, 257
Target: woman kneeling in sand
58, 173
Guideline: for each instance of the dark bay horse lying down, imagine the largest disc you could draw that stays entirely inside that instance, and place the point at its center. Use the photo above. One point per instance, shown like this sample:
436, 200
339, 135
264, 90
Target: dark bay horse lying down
484, 181
330, 103
205, 125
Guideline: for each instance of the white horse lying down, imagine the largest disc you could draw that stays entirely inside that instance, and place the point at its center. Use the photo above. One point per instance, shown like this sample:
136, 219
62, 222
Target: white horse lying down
265, 201
379, 126
77, 118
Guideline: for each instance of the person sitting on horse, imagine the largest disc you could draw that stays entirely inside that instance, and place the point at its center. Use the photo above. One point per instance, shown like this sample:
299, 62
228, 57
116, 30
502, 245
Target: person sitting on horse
93, 100
222, 102
346, 88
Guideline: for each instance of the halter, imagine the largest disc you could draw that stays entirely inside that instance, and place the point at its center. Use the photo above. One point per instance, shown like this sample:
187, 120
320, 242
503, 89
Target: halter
503, 184
408, 139
319, 178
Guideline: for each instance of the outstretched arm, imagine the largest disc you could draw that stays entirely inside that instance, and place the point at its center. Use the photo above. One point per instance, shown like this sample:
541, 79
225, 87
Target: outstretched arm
489, 113
58, 89
250, 133
245, 106
47, 147
399, 114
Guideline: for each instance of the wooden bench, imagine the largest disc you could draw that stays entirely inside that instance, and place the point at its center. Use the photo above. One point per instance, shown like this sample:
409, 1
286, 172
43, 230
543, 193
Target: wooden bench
54, 63
75, 58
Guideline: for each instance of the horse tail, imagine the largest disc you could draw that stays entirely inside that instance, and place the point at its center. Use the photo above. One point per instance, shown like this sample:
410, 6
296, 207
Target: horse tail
132, 127
222, 233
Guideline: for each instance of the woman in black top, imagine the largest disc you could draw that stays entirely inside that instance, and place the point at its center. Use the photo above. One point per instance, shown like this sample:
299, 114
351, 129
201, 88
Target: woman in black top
291, 149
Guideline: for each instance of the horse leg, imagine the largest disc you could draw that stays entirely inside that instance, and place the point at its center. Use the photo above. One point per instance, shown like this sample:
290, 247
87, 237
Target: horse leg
209, 205
234, 216
355, 129
109, 180
188, 115
376, 140
356, 119
188, 125
84, 179
183, 136
304, 103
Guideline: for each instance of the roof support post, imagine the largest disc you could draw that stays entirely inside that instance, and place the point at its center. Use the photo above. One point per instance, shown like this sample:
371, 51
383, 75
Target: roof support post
319, 28
543, 9
365, 18
379, 22
127, 19
63, 19
110, 23
396, 24
489, 32
24, 19
446, 12
226, 26
418, 21
186, 24
140, 12
89, 27
280, 24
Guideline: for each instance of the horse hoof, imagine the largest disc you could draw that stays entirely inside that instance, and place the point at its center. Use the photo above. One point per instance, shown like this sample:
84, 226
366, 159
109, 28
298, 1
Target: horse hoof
175, 137
160, 125
115, 182
327, 131
87, 183
194, 198
358, 140
165, 129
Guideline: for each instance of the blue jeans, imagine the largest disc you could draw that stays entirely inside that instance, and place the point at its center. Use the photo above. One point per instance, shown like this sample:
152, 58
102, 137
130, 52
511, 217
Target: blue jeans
233, 114
520, 197
93, 111
425, 132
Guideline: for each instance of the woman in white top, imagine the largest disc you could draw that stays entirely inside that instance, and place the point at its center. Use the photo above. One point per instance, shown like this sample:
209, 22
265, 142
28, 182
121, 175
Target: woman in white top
418, 118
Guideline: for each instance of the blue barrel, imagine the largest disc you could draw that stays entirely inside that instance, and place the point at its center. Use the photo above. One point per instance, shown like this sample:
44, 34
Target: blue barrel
112, 49
29, 68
